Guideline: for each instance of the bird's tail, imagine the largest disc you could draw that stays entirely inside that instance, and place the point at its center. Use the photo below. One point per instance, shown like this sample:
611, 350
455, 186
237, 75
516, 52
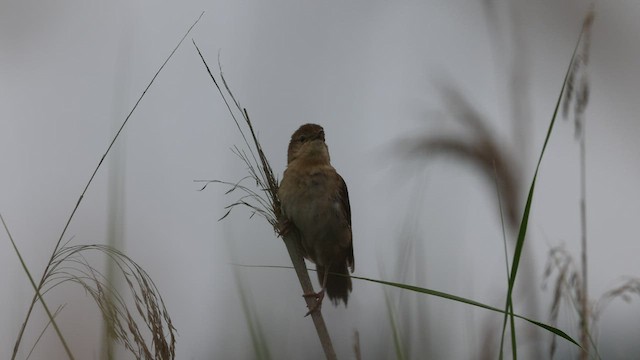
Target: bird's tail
337, 287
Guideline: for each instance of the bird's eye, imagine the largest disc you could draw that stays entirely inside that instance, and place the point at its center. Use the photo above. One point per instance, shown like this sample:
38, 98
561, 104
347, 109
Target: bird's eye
302, 138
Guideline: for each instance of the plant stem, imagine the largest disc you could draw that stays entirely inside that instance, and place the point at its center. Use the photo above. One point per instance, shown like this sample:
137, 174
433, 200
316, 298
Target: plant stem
37, 296
307, 288
584, 297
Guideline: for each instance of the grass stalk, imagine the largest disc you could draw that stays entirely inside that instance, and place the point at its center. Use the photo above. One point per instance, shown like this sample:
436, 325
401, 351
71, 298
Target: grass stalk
38, 295
395, 329
578, 94
260, 346
584, 294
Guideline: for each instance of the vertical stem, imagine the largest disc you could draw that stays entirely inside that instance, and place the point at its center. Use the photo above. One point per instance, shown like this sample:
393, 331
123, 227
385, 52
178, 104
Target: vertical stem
116, 184
581, 103
584, 297
307, 288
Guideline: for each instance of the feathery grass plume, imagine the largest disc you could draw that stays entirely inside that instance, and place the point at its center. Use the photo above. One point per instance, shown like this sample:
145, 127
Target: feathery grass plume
480, 148
61, 269
629, 288
566, 287
263, 199
577, 90
578, 93
154, 340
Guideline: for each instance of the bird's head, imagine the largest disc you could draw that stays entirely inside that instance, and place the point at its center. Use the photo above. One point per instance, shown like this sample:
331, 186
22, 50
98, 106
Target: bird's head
308, 143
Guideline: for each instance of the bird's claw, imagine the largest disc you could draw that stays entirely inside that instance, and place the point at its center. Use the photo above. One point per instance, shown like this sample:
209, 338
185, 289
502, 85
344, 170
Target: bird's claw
318, 297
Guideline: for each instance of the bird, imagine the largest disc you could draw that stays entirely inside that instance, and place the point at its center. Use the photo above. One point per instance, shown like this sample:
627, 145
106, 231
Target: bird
315, 204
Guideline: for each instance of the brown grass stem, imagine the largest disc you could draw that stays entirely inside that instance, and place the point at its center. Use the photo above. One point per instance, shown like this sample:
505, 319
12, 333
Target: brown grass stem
578, 94
307, 288
584, 294
38, 295
581, 103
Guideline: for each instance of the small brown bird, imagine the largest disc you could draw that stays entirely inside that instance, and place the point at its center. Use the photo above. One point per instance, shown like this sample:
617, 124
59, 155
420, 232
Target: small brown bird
315, 203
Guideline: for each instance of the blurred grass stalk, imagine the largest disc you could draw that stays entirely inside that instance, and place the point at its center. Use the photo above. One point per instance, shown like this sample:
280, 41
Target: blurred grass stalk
582, 99
115, 235
258, 339
485, 152
577, 93
116, 184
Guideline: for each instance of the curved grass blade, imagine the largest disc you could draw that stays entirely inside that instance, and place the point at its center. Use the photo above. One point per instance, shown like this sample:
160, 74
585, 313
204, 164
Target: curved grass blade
444, 295
525, 216
441, 294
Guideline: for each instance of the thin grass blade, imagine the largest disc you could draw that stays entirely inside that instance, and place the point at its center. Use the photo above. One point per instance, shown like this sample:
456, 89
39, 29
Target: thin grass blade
456, 298
525, 217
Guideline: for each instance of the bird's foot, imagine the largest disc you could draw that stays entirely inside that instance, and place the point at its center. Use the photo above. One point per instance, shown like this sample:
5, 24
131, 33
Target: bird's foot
318, 297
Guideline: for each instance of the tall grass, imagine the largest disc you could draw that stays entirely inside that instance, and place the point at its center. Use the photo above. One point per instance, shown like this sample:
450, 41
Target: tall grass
485, 152
571, 282
146, 329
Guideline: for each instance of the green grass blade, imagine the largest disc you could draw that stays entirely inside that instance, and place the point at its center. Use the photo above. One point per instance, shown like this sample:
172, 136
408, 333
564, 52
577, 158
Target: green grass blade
444, 295
506, 259
525, 217
441, 294
397, 340
260, 345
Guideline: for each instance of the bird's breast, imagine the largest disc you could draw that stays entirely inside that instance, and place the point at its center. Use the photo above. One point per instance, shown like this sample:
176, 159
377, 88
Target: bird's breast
308, 196
304, 193
309, 200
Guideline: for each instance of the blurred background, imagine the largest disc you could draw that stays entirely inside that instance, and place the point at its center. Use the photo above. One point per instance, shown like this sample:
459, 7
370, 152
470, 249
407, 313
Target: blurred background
383, 78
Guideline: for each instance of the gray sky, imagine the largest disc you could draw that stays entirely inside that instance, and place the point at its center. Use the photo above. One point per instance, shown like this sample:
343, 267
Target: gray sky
368, 71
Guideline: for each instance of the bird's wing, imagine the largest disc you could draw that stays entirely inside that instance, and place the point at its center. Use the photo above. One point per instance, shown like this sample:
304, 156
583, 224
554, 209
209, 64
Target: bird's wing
343, 196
